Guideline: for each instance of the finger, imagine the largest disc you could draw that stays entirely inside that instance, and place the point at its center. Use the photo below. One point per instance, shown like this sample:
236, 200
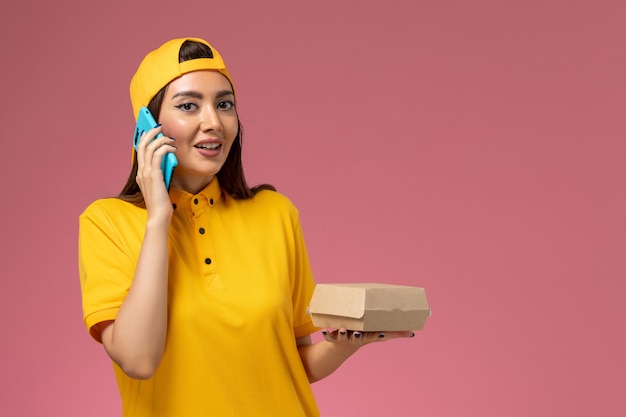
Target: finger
147, 138
163, 149
159, 142
398, 335
358, 338
149, 135
155, 151
330, 335
371, 337
158, 148
343, 336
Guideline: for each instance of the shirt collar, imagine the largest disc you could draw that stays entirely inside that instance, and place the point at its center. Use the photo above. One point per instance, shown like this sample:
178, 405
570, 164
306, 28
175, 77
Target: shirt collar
208, 196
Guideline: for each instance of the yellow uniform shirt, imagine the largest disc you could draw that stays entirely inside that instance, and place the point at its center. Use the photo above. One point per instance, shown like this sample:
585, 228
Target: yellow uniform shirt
239, 285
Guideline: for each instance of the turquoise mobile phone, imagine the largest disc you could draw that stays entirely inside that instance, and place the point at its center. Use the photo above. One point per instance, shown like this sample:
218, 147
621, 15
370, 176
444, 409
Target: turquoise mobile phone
145, 122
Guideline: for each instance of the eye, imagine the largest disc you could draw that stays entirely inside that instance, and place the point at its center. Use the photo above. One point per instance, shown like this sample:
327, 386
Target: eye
225, 105
187, 106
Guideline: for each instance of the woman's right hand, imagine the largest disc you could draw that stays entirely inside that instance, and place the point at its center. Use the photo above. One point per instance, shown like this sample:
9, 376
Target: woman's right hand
149, 174
135, 341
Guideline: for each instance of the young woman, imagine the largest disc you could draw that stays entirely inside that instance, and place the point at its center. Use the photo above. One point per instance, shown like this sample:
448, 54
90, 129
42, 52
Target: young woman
199, 293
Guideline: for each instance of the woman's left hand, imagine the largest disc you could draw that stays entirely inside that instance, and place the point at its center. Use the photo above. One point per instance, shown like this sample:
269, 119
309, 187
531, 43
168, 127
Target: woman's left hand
323, 358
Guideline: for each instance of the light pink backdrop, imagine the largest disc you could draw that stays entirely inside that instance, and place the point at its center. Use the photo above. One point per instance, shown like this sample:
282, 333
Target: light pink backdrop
475, 148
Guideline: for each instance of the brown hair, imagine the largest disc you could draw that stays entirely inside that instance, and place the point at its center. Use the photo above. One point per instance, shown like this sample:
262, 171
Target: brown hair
231, 176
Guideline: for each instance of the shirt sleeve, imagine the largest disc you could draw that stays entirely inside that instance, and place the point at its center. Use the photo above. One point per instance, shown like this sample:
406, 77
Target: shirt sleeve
106, 266
303, 285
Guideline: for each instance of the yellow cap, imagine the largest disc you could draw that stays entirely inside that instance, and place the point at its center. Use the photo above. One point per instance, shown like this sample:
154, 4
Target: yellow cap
161, 66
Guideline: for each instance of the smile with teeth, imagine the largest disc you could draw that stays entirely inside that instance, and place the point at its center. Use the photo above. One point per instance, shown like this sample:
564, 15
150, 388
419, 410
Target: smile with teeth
209, 146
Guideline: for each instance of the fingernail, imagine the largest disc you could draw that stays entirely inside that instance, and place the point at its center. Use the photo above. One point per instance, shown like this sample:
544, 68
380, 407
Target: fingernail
325, 333
357, 335
382, 335
342, 332
412, 334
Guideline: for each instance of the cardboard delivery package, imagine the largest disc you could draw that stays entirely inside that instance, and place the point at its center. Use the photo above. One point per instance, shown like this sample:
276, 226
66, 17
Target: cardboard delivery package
369, 307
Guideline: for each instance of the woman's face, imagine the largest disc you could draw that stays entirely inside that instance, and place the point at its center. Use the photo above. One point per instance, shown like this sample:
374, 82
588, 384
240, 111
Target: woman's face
198, 111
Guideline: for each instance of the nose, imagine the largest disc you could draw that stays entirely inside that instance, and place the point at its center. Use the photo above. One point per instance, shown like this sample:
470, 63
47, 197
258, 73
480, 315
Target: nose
210, 120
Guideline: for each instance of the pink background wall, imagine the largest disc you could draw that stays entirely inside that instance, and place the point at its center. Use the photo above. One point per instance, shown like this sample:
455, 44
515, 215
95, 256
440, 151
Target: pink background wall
475, 148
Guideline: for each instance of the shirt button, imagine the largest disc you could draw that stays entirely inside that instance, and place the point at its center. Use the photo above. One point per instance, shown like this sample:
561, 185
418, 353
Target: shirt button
211, 201
174, 205
201, 230
207, 261
195, 201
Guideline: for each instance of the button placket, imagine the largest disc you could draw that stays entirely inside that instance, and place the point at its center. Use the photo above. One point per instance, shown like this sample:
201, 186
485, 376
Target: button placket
201, 214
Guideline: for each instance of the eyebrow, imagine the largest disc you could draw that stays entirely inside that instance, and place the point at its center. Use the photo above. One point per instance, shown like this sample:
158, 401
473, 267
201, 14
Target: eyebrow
197, 95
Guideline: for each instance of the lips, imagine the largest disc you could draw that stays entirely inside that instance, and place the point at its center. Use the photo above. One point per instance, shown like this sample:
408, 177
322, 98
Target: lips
209, 148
